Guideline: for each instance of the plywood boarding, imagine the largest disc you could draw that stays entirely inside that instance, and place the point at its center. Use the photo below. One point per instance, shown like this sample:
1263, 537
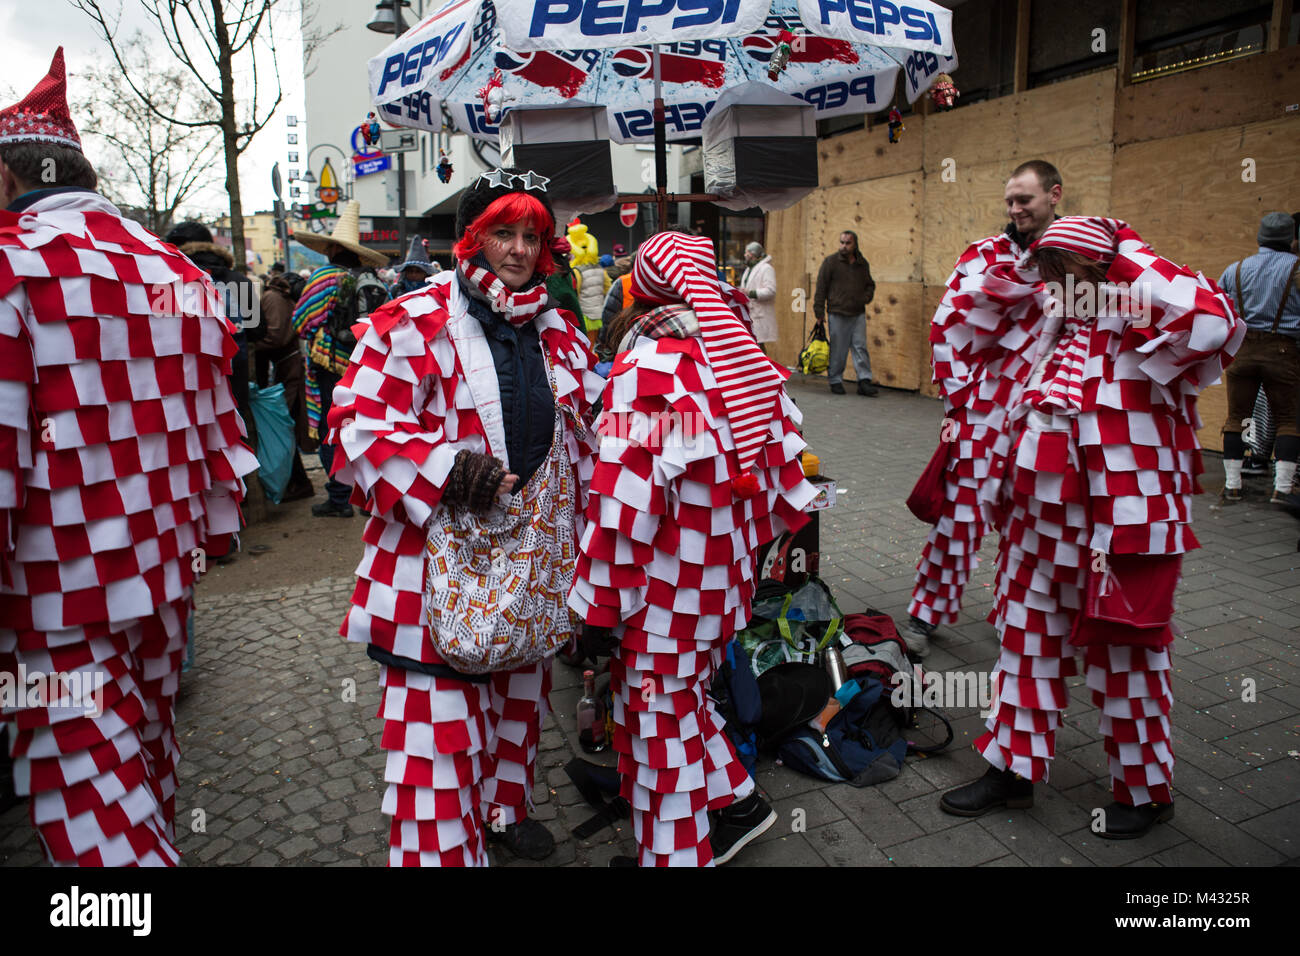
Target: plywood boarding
868, 153
883, 213
955, 214
931, 296
1073, 113
785, 243
1250, 90
1186, 197
1213, 407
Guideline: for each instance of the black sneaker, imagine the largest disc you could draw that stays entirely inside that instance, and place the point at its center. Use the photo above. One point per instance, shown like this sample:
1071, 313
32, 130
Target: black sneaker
837, 389
867, 389
738, 825
1124, 822
997, 788
328, 509
527, 839
1230, 496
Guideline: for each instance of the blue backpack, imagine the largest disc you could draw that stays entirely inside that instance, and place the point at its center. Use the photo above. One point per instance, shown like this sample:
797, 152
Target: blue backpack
862, 744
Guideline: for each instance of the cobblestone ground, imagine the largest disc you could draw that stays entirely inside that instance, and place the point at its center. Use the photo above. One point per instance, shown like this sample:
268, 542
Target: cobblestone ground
280, 766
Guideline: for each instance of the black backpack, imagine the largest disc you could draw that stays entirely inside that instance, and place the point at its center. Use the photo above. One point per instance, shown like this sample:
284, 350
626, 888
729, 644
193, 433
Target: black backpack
359, 293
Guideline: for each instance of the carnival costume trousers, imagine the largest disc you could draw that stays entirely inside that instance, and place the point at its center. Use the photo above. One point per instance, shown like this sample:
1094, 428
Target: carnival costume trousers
675, 761
1043, 560
101, 771
460, 755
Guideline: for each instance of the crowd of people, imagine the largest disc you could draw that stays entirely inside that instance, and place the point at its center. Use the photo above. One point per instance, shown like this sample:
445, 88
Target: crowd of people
531, 481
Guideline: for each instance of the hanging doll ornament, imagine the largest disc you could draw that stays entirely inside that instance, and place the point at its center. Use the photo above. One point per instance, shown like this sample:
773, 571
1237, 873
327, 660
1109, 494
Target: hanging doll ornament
944, 94
780, 56
494, 96
444, 168
370, 130
896, 126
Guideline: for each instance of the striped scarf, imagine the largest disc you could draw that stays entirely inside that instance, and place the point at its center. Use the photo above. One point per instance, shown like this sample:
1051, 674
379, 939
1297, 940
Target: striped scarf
1061, 386
675, 267
517, 308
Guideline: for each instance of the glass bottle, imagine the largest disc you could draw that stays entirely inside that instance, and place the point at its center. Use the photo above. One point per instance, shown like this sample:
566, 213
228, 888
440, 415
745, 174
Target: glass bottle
591, 722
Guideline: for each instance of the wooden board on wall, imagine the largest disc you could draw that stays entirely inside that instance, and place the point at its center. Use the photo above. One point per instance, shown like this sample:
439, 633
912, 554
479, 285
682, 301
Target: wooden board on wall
1186, 197
931, 296
1249, 90
785, 243
883, 213
868, 154
1213, 407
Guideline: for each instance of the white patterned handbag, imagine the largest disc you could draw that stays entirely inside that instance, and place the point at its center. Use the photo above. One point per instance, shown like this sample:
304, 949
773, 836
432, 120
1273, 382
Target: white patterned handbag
496, 588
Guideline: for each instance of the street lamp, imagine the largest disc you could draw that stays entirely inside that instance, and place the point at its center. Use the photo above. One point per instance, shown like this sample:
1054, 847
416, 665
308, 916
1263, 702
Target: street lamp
388, 17
348, 178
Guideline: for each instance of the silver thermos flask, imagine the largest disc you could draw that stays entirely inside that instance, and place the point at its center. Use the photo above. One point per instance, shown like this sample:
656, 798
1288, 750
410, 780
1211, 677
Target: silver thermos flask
835, 667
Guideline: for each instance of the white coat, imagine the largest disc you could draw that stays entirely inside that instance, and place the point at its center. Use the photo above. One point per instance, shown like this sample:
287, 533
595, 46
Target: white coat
759, 283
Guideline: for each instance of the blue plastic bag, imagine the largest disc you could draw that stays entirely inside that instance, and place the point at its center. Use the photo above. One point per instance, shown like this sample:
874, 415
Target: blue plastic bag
274, 438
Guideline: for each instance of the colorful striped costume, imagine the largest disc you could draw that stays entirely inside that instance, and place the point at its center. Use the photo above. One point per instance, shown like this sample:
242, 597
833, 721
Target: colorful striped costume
311, 322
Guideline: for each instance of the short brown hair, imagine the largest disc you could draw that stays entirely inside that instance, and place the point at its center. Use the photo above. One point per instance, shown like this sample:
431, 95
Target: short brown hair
30, 163
1048, 175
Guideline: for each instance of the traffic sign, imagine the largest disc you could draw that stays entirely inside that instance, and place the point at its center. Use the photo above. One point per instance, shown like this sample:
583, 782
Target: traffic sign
399, 140
627, 213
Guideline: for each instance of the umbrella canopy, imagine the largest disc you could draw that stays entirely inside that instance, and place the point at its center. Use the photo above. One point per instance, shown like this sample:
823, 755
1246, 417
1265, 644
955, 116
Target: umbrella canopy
845, 58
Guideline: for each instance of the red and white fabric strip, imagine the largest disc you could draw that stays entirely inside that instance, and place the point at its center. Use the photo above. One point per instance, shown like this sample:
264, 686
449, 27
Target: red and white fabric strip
1090, 236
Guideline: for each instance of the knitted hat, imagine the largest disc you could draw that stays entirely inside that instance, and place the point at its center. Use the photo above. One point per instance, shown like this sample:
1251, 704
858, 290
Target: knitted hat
675, 267
1092, 237
186, 232
42, 117
1276, 227
347, 233
491, 186
418, 257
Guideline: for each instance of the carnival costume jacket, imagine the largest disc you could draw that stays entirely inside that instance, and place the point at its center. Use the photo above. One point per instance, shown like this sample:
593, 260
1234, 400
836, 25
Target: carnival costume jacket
402, 412
951, 551
120, 468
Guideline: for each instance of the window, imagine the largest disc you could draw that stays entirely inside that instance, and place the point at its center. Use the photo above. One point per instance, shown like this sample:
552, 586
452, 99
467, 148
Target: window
984, 32
293, 139
1172, 38
1068, 40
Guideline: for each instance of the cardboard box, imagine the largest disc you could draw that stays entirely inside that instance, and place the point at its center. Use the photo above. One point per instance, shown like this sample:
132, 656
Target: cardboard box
825, 494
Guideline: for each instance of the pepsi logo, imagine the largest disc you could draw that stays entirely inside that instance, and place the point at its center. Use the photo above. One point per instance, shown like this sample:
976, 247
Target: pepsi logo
632, 62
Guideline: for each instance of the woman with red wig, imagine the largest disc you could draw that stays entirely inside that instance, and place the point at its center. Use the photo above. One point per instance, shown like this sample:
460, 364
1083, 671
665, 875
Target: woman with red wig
460, 398
1096, 349
699, 466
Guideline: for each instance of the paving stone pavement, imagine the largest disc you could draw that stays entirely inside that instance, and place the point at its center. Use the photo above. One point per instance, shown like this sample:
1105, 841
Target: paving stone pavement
281, 763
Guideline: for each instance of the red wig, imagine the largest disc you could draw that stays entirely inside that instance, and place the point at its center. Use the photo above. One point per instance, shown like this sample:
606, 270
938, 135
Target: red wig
510, 209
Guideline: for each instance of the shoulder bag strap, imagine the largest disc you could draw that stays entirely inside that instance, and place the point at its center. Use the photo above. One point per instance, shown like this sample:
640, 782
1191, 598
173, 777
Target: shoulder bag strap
1240, 296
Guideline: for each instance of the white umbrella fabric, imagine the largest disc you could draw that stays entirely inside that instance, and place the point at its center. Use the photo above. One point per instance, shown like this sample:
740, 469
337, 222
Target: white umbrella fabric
845, 58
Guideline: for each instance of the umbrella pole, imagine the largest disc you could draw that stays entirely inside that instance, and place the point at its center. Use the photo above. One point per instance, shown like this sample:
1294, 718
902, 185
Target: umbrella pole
661, 143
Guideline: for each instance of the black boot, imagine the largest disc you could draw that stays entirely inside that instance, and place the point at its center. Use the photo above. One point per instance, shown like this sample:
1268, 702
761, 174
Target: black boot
1124, 822
997, 788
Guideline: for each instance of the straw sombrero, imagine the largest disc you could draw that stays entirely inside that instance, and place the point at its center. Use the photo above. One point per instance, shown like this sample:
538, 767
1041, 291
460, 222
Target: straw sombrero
347, 232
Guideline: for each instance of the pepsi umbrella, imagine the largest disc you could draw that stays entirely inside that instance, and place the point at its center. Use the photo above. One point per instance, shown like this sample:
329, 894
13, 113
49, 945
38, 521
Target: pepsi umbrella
840, 56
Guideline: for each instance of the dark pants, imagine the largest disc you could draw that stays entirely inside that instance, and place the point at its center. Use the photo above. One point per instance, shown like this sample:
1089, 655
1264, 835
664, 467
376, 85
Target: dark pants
1272, 362
337, 491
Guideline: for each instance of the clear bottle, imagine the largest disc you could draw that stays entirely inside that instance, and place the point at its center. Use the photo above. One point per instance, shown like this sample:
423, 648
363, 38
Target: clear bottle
591, 722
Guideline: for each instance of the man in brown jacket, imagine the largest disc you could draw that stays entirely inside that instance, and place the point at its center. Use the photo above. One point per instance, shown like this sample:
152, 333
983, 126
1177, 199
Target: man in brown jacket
844, 289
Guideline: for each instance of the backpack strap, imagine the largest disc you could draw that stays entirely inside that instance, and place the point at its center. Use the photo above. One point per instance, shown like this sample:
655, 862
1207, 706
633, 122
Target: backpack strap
1240, 297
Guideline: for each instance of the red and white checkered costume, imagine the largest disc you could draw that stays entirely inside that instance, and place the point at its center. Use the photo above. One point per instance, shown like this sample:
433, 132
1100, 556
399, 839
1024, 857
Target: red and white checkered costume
120, 466
951, 552
667, 562
1094, 452
460, 753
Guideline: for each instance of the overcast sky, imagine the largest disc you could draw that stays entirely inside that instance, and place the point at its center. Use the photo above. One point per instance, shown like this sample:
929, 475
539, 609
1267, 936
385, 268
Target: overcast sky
33, 30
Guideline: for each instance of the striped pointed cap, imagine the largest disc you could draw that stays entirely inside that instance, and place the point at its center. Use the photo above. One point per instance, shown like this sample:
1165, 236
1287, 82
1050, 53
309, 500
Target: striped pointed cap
675, 267
1092, 237
42, 116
